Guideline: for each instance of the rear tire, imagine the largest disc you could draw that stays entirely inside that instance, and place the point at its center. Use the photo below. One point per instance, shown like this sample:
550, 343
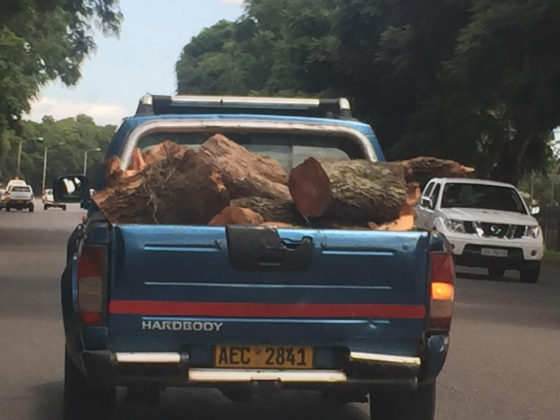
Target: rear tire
496, 271
45, 207
82, 400
64, 208
404, 405
8, 208
530, 274
31, 208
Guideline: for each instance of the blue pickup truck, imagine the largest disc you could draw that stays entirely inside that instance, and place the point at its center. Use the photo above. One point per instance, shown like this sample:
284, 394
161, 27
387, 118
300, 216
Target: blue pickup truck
147, 307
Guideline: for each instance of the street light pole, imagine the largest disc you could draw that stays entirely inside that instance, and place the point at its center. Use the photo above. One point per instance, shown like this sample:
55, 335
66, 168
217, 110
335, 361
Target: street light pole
97, 149
45, 165
19, 157
40, 139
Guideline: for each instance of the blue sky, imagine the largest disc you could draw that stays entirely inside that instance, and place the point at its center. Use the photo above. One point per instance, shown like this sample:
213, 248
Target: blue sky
141, 60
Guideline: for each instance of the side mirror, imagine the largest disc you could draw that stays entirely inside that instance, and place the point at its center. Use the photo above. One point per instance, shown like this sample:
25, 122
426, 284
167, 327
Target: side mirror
535, 210
427, 202
71, 189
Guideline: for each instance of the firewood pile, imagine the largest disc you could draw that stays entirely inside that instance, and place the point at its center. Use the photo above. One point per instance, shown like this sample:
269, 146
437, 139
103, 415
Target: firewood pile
223, 183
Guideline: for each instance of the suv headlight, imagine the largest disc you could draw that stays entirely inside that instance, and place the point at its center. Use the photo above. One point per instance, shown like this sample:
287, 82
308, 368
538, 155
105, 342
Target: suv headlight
533, 231
456, 226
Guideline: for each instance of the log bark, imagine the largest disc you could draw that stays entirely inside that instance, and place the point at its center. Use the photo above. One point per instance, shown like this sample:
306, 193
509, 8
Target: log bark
172, 190
352, 192
164, 150
245, 174
422, 168
277, 210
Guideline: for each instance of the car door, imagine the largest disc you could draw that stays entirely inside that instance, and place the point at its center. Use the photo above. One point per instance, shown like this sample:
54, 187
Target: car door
428, 204
421, 209
431, 208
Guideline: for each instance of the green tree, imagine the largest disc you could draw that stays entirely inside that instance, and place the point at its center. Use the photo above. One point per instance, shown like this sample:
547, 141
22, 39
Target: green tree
507, 68
76, 135
42, 40
473, 80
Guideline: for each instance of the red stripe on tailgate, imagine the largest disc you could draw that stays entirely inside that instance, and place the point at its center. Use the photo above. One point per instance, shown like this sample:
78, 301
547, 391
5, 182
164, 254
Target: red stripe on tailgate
265, 310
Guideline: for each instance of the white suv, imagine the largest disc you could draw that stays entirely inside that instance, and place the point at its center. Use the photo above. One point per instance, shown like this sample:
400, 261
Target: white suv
487, 224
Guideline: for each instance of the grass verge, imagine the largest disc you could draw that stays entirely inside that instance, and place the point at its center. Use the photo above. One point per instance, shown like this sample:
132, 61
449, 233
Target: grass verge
552, 256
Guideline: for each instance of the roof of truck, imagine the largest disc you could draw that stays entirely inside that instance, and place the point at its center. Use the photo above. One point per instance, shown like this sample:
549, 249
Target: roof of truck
130, 123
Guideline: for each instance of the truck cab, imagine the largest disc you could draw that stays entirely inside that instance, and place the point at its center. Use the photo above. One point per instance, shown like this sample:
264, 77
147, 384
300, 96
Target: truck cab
151, 306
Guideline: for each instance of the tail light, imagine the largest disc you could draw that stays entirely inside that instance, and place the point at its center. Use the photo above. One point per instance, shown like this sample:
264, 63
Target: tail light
91, 273
442, 291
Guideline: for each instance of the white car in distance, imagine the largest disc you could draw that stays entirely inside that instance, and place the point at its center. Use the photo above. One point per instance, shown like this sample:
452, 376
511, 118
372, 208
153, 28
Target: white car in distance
487, 224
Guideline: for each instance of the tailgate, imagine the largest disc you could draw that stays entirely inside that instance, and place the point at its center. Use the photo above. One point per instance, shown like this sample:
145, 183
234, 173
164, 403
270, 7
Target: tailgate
174, 287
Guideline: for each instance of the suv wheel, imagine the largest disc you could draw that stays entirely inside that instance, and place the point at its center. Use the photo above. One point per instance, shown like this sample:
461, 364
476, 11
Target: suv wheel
530, 274
496, 271
82, 400
404, 405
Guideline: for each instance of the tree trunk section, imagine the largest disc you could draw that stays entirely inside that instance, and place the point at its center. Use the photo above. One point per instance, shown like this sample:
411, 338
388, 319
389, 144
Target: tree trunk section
352, 192
423, 168
275, 210
245, 174
173, 190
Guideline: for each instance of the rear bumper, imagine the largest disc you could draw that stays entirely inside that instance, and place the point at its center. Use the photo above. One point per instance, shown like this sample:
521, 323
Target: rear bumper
19, 204
173, 369
53, 204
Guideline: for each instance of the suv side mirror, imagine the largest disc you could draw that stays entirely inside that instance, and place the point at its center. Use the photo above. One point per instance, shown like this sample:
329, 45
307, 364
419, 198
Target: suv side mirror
427, 202
535, 210
71, 189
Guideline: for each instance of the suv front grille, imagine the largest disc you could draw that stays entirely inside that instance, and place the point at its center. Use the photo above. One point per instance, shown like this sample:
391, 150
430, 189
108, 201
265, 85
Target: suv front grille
495, 230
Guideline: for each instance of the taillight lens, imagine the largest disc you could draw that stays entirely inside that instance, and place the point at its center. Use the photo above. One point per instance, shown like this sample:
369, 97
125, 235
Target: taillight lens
91, 268
442, 291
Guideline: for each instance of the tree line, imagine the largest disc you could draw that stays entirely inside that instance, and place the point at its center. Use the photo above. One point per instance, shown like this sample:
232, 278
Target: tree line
472, 80
66, 141
40, 41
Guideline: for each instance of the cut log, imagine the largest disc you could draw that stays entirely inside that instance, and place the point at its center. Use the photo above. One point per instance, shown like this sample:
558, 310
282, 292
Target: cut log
164, 150
245, 174
352, 192
236, 216
278, 210
422, 168
137, 162
169, 191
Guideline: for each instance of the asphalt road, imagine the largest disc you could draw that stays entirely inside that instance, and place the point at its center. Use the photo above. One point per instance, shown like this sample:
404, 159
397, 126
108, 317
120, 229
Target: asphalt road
504, 361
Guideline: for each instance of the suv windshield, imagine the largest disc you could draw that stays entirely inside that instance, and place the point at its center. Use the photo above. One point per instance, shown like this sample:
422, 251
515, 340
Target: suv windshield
482, 196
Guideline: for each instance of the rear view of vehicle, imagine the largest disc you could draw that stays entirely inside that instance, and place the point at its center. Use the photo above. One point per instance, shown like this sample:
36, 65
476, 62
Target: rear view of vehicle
19, 197
49, 202
344, 312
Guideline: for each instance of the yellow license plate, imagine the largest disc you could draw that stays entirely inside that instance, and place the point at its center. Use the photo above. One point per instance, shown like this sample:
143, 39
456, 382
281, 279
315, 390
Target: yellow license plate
263, 357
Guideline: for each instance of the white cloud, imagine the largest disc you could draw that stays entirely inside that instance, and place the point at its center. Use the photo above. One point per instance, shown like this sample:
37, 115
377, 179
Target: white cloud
233, 1
101, 113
